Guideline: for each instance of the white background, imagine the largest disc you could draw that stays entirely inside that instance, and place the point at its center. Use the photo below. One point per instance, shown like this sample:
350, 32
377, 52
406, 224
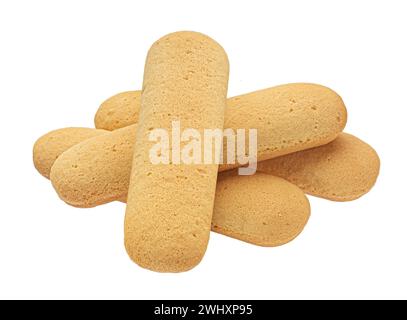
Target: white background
60, 59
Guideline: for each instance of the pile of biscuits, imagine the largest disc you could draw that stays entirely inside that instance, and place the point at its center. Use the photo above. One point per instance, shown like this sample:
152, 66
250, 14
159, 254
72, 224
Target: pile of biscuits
172, 207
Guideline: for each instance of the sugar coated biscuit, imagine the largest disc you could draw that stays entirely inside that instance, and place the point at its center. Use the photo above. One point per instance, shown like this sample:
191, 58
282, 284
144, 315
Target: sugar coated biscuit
119, 111
49, 146
169, 206
342, 170
259, 209
289, 118
278, 210
97, 171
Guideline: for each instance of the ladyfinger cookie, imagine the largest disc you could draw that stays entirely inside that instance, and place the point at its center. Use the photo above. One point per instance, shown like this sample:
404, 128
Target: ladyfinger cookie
169, 206
288, 118
342, 170
49, 146
119, 111
260, 209
97, 170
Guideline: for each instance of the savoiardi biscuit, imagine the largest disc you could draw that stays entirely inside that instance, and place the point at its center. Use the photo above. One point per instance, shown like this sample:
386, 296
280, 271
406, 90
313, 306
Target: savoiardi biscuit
342, 170
169, 206
288, 118
97, 170
49, 146
261, 209
119, 111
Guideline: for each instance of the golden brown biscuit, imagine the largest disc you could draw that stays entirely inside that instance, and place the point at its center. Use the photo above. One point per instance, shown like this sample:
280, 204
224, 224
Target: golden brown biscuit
277, 212
83, 174
169, 206
342, 170
288, 118
119, 111
260, 209
95, 171
48, 147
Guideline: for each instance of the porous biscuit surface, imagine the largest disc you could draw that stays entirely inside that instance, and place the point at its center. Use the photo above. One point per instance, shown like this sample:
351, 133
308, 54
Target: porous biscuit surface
259, 209
270, 198
111, 117
49, 146
95, 171
342, 170
288, 118
169, 206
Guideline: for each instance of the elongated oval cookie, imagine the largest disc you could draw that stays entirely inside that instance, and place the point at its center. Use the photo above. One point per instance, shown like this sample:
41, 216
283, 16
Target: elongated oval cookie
261, 209
277, 213
119, 111
288, 118
49, 146
342, 170
97, 170
169, 206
